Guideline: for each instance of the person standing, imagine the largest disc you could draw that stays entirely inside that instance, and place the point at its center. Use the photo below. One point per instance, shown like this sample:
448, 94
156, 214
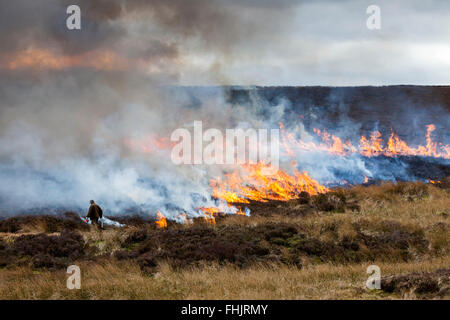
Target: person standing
95, 213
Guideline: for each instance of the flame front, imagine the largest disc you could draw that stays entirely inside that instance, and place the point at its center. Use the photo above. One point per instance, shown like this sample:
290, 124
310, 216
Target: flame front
253, 182
256, 184
162, 221
368, 147
210, 214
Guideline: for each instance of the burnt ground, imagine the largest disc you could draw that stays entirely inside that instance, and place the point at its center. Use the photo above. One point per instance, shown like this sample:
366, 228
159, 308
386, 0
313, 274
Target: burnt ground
419, 168
400, 169
406, 109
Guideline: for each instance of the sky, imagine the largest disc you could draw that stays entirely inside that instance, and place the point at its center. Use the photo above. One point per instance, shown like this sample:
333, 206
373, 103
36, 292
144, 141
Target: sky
229, 42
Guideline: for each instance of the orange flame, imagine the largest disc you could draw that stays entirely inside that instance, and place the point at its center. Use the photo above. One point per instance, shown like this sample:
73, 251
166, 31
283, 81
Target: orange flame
396, 146
257, 185
161, 222
210, 214
335, 145
44, 59
372, 146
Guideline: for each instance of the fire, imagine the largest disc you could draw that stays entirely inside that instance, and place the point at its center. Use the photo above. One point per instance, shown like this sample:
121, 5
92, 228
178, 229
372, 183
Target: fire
369, 147
330, 143
162, 221
256, 184
44, 59
210, 214
335, 144
396, 146
252, 182
373, 146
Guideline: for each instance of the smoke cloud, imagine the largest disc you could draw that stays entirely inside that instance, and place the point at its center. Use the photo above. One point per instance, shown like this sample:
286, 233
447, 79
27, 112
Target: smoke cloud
71, 101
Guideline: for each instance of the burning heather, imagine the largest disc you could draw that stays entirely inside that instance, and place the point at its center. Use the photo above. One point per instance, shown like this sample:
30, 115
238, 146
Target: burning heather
126, 165
368, 147
161, 221
251, 182
254, 184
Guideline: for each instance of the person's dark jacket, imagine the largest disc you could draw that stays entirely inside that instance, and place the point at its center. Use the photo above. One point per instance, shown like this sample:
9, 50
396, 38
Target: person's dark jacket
95, 212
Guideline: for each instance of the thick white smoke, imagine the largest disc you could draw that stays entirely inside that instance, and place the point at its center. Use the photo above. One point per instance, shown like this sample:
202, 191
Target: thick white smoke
64, 142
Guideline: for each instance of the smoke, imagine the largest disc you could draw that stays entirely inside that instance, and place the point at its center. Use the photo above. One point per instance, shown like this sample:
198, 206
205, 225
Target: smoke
65, 140
70, 102
164, 39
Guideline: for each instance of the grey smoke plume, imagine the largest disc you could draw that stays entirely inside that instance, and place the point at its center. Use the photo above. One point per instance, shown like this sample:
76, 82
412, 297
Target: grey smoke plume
63, 141
66, 116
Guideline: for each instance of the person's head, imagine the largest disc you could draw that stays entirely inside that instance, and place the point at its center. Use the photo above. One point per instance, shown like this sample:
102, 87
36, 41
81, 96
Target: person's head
92, 201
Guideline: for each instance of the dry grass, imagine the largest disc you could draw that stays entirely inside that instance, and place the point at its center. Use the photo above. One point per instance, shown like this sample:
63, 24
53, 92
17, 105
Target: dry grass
112, 280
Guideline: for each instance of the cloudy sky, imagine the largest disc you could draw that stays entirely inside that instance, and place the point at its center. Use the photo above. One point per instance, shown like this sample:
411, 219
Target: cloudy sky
238, 42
